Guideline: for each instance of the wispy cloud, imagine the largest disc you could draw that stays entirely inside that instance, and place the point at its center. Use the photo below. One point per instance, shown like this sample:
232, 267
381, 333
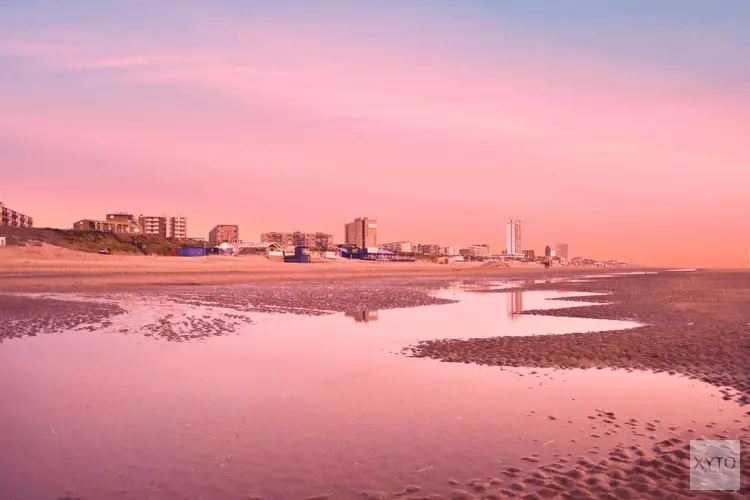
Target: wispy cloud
523, 99
255, 97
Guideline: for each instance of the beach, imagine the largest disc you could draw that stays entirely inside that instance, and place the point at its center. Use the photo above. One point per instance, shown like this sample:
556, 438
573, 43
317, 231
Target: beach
377, 381
49, 268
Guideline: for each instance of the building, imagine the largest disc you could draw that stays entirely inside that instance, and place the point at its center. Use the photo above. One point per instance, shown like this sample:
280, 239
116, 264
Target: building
12, 218
529, 255
154, 225
399, 247
561, 250
323, 241
122, 217
283, 239
255, 248
123, 226
513, 241
224, 233
318, 241
363, 232
177, 227
165, 227
450, 251
475, 250
427, 249
547, 251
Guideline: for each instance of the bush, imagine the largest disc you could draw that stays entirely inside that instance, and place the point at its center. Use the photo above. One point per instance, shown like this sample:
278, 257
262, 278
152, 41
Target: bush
92, 241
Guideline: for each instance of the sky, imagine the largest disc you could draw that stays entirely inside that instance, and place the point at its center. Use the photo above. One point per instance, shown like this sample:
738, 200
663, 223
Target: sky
621, 128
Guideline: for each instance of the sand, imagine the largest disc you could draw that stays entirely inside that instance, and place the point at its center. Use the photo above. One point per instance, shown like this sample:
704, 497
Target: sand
48, 268
695, 324
25, 315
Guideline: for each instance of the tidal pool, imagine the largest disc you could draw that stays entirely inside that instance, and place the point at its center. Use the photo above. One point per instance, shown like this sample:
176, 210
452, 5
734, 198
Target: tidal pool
291, 406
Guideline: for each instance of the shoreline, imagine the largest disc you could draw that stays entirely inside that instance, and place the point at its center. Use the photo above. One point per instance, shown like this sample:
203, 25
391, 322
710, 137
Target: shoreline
110, 281
696, 325
53, 269
665, 302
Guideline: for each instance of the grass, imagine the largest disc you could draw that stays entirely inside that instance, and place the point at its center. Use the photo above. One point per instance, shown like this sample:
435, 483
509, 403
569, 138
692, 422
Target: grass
93, 241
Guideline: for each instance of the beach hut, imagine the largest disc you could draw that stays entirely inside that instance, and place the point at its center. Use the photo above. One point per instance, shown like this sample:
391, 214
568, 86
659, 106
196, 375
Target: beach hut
263, 248
301, 254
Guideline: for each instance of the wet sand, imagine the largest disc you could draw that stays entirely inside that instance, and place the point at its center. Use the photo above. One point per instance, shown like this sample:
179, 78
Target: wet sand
696, 324
34, 314
25, 316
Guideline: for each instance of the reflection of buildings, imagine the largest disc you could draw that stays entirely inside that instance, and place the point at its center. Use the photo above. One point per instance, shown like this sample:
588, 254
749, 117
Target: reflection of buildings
363, 316
515, 304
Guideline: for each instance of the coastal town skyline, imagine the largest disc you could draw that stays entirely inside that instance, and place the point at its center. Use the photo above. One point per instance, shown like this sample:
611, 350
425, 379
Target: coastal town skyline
510, 238
444, 120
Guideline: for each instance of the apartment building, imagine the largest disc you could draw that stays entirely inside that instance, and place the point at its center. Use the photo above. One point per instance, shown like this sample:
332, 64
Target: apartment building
166, 227
319, 240
475, 250
224, 233
363, 232
107, 226
280, 238
153, 225
450, 251
561, 250
398, 247
427, 249
123, 217
177, 227
12, 218
513, 239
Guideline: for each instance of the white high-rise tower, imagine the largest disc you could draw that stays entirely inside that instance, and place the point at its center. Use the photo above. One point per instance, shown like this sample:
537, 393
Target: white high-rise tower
513, 244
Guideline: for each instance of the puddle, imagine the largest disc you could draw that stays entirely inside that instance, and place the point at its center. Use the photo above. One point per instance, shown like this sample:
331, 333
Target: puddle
476, 315
295, 406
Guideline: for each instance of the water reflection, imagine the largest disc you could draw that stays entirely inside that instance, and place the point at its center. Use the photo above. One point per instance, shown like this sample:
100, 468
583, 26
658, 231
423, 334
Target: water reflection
335, 412
515, 304
363, 316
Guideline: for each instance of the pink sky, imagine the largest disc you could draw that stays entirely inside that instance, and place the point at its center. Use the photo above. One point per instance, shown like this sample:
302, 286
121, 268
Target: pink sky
288, 126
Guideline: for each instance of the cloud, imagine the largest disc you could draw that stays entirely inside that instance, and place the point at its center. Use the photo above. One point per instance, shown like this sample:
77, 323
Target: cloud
578, 108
